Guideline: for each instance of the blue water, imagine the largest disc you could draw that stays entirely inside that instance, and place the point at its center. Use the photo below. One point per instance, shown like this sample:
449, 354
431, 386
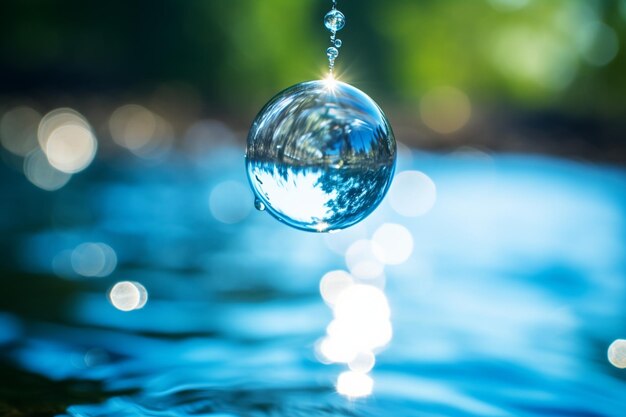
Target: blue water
514, 290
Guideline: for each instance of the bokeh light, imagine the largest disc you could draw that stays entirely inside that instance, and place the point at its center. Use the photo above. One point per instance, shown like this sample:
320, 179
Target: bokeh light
393, 244
333, 283
67, 139
141, 131
445, 109
230, 202
598, 43
39, 172
18, 130
362, 261
93, 260
354, 384
128, 296
617, 353
71, 148
362, 362
412, 194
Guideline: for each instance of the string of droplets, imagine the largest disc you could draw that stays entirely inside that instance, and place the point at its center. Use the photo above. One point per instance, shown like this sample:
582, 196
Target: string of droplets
334, 21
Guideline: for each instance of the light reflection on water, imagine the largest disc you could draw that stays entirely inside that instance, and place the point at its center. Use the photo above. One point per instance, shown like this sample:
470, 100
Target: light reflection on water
506, 305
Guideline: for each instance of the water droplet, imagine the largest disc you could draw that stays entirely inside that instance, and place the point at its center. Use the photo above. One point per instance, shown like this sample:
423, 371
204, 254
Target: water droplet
338, 43
332, 53
258, 204
334, 20
324, 154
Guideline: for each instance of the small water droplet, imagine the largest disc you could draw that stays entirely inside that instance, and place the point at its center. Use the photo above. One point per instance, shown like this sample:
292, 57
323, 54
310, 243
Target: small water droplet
338, 43
332, 53
334, 20
259, 205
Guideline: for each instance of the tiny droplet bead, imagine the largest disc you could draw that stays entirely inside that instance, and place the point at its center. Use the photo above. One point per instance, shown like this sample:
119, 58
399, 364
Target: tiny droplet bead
332, 53
334, 20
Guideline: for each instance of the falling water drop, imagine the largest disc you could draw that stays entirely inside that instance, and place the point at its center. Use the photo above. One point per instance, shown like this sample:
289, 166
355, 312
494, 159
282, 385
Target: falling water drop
338, 43
332, 53
334, 20
320, 156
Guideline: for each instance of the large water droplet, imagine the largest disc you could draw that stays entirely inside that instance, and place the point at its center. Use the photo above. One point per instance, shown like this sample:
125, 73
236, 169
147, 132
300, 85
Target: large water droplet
332, 53
334, 20
259, 205
322, 154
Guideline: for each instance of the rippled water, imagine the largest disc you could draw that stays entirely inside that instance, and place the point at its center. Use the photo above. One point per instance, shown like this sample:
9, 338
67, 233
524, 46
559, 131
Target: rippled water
506, 306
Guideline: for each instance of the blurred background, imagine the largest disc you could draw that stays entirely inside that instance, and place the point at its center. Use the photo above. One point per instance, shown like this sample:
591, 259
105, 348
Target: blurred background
137, 278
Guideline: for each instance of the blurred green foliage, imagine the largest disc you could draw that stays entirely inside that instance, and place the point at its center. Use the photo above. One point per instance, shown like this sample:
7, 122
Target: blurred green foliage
237, 52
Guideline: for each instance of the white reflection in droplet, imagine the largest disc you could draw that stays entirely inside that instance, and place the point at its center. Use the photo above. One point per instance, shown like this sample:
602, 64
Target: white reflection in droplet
39, 172
362, 362
128, 295
412, 193
230, 202
393, 243
354, 384
94, 260
333, 284
617, 353
18, 130
362, 261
